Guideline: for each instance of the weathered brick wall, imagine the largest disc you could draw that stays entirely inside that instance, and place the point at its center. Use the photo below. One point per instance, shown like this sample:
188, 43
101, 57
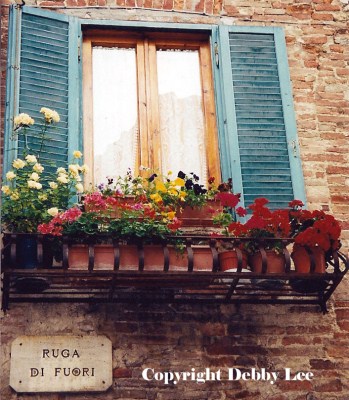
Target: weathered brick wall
181, 337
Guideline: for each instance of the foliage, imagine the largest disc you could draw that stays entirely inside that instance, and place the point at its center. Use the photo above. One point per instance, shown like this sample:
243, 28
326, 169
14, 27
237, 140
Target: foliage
31, 197
314, 228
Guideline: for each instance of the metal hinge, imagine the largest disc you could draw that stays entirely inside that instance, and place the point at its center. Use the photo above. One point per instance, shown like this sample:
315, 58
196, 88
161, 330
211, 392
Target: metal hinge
79, 52
216, 54
293, 144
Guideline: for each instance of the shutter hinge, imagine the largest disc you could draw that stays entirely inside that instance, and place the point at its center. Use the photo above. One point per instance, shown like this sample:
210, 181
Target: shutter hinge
293, 144
216, 54
79, 52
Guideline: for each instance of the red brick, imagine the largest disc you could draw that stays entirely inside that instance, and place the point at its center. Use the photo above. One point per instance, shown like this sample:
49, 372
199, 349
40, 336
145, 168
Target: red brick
323, 17
327, 7
122, 373
330, 386
322, 364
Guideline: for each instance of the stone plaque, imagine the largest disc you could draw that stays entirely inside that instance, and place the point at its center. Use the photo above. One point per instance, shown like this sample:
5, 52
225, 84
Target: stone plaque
61, 364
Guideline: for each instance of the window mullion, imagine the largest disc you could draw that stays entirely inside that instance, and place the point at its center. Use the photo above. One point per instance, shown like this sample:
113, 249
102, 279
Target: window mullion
153, 101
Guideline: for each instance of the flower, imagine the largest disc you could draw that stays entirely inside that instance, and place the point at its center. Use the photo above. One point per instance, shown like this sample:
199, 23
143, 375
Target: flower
23, 120
10, 175
6, 189
34, 185
38, 168
53, 185
79, 188
77, 154
14, 196
18, 163
74, 169
53, 211
61, 170
63, 179
84, 169
50, 115
31, 159
34, 176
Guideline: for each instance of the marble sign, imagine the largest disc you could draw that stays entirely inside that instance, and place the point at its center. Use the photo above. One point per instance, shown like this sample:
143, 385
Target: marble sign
61, 364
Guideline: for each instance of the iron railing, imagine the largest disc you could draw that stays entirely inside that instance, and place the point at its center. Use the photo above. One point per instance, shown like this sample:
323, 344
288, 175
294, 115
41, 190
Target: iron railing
193, 279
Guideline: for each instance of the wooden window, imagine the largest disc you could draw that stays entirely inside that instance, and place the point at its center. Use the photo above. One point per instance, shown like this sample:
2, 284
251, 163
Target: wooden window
148, 100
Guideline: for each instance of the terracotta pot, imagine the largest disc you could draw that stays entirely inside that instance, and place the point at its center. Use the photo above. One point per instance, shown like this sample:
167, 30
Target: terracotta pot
302, 259
275, 262
229, 260
200, 216
129, 258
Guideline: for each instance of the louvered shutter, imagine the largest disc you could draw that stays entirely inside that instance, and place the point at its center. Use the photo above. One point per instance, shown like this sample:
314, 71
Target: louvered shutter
259, 136
45, 73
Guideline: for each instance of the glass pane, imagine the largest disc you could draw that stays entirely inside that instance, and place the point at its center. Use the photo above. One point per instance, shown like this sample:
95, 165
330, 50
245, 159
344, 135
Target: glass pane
115, 118
182, 125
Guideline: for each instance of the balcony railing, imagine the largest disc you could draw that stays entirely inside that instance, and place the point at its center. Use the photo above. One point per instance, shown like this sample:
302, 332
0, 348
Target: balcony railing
147, 273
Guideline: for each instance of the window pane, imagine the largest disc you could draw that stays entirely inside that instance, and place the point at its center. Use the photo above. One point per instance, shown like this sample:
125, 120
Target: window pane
182, 126
115, 119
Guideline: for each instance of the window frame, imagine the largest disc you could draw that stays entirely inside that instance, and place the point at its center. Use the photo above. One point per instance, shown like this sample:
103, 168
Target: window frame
146, 43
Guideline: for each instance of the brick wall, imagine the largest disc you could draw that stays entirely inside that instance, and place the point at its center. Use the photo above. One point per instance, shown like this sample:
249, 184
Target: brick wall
181, 337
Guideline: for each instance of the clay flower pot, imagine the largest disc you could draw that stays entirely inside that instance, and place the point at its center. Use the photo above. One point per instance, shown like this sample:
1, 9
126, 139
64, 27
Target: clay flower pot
154, 258
275, 262
200, 216
302, 258
229, 260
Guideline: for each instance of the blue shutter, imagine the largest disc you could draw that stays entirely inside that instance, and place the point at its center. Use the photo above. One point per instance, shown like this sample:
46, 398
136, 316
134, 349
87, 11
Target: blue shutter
259, 129
44, 72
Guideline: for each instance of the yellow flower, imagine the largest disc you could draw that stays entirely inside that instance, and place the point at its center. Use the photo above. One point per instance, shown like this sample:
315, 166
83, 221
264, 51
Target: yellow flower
31, 159
14, 196
156, 197
77, 154
173, 191
61, 170
38, 168
160, 186
34, 176
171, 215
182, 195
53, 185
10, 175
178, 182
23, 120
6, 189
34, 185
50, 115
53, 211
63, 179
18, 163
169, 173
79, 187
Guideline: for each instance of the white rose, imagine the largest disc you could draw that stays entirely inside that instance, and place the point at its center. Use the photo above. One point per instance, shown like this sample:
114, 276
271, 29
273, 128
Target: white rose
52, 211
23, 120
84, 169
53, 185
63, 179
10, 175
74, 169
6, 189
34, 185
38, 168
61, 170
31, 159
18, 163
34, 176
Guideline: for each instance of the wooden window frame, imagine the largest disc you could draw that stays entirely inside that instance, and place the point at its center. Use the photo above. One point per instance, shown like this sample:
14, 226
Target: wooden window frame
146, 44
